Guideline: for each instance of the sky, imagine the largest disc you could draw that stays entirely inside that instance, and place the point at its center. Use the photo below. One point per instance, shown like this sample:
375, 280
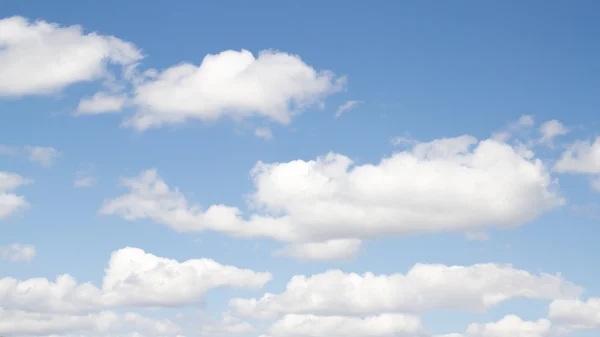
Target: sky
299, 169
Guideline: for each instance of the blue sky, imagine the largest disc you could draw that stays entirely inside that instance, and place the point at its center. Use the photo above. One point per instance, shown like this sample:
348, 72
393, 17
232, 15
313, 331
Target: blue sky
483, 114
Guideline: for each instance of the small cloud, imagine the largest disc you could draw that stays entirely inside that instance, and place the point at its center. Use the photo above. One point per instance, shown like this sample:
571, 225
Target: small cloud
264, 133
17, 253
346, 107
101, 103
44, 156
526, 120
550, 130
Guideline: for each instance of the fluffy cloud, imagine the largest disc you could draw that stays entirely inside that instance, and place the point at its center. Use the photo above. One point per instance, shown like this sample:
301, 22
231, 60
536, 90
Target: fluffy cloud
550, 130
581, 157
450, 184
133, 278
237, 84
136, 278
509, 326
41, 57
576, 314
425, 287
20, 323
17, 252
385, 325
101, 103
10, 202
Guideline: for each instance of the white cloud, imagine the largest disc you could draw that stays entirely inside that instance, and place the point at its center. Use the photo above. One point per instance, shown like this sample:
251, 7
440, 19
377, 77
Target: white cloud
133, 278
332, 250
9, 202
346, 107
17, 252
101, 103
425, 287
550, 130
44, 156
385, 325
523, 123
509, 326
451, 184
20, 323
265, 133
580, 157
274, 85
42, 58
576, 314
136, 278
398, 141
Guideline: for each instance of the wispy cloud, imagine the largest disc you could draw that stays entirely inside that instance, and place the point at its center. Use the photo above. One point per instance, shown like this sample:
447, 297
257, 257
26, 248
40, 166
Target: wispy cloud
346, 107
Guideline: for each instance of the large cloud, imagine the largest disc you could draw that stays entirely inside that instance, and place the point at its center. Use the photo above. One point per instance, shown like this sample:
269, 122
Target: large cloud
41, 57
133, 278
10, 202
425, 287
576, 314
450, 184
273, 85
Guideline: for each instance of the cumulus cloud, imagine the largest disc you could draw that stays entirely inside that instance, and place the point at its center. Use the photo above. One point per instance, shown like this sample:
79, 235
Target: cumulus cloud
451, 184
550, 130
473, 288
346, 107
133, 278
42, 58
580, 157
273, 85
101, 103
10, 202
576, 314
385, 325
17, 252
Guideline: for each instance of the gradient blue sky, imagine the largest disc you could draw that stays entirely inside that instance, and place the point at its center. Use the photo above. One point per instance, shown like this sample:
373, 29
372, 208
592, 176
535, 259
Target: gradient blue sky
422, 70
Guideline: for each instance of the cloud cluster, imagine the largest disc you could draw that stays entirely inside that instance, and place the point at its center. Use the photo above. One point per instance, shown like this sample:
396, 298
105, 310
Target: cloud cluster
10, 202
325, 207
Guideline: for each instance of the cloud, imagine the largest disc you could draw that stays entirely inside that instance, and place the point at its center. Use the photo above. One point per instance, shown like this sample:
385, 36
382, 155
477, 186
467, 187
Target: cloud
38, 58
509, 326
345, 107
576, 314
451, 184
9, 202
101, 103
44, 156
274, 85
264, 133
550, 130
17, 253
133, 279
473, 288
20, 323
399, 141
580, 157
477, 236
331, 250
385, 325
523, 123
